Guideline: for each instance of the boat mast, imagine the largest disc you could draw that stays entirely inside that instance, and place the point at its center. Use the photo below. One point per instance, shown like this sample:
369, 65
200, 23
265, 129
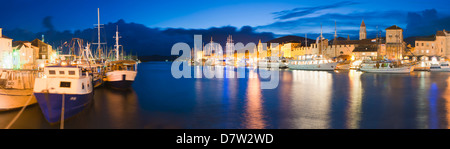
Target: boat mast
320, 40
117, 43
98, 25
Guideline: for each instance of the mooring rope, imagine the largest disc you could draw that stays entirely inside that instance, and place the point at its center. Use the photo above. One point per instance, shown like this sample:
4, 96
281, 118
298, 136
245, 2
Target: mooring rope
18, 114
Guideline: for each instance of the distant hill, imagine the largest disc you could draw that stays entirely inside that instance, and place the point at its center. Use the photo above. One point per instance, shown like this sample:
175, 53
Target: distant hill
412, 40
292, 39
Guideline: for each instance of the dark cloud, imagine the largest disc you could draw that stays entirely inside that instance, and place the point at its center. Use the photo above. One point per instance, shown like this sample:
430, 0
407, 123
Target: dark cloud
347, 24
425, 22
47, 23
299, 12
142, 40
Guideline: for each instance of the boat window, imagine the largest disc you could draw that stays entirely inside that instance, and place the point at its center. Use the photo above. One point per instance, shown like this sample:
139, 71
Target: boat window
64, 84
71, 72
61, 72
52, 72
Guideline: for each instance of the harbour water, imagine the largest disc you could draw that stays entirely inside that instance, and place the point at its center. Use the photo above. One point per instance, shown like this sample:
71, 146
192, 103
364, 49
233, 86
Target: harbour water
303, 99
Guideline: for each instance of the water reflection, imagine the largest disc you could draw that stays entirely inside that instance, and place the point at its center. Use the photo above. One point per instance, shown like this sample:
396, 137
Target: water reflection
446, 96
254, 110
311, 96
356, 95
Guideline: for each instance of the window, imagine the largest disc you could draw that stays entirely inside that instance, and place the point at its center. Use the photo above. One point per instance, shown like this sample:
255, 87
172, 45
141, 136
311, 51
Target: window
428, 51
64, 84
422, 44
71, 72
82, 85
61, 72
52, 72
417, 44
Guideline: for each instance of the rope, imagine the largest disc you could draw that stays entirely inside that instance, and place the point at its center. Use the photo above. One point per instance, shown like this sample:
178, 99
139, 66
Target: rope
18, 114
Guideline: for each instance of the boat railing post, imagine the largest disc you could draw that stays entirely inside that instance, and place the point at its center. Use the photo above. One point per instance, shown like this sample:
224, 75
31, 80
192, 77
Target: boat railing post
62, 113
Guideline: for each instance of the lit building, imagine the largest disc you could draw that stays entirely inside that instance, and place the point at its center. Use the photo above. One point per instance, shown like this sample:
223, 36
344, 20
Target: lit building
394, 42
435, 45
23, 55
5, 51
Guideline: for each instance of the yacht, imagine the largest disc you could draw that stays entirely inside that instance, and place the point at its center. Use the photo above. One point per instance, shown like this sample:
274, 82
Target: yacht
442, 66
312, 62
63, 91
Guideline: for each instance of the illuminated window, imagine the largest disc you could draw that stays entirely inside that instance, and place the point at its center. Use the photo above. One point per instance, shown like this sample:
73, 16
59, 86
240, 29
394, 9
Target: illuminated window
428, 51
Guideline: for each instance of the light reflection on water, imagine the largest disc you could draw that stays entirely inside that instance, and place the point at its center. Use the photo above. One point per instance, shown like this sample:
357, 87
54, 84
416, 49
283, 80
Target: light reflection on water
303, 99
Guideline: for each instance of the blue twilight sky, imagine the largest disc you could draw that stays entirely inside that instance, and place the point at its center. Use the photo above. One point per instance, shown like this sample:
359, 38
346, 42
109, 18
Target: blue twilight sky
278, 16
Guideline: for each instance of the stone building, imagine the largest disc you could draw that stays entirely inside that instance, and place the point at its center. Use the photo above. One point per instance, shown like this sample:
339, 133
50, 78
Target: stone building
394, 42
436, 45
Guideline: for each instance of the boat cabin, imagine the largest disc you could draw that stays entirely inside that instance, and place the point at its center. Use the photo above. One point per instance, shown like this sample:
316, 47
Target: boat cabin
122, 65
66, 71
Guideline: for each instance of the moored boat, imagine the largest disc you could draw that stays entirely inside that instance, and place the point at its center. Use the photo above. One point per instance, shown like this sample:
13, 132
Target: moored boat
63, 91
121, 74
385, 67
441, 67
312, 63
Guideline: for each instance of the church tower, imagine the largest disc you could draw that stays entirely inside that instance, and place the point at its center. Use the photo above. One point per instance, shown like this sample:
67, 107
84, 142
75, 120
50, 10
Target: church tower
362, 31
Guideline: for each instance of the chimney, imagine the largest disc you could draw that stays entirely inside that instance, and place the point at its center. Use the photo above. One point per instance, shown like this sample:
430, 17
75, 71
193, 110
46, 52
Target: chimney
1, 35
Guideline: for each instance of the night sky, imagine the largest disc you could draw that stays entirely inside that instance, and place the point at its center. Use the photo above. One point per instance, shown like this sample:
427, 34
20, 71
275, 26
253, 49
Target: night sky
281, 17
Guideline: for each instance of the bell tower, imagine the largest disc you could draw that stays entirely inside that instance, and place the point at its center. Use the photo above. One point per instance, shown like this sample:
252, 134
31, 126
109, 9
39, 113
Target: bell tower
362, 31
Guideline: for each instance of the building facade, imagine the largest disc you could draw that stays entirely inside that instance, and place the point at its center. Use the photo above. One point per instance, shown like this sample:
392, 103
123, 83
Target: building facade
6, 61
435, 45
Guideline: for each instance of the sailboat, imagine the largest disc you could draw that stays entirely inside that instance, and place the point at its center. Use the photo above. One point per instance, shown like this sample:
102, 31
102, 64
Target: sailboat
120, 73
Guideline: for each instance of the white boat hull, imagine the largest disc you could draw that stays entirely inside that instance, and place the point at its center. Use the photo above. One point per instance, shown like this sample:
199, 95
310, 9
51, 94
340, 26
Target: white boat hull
120, 79
324, 67
440, 70
269, 65
388, 70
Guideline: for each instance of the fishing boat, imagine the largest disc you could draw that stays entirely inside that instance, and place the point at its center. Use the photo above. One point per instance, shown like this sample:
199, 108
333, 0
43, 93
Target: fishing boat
16, 89
63, 91
442, 67
312, 62
120, 74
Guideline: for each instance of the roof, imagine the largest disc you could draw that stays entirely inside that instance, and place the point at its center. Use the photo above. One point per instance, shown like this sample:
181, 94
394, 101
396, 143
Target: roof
393, 27
363, 24
365, 49
428, 38
440, 33
364, 41
3, 36
36, 42
19, 43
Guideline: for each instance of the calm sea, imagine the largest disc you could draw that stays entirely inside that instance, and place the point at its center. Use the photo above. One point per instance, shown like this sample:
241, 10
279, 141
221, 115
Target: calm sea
303, 99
